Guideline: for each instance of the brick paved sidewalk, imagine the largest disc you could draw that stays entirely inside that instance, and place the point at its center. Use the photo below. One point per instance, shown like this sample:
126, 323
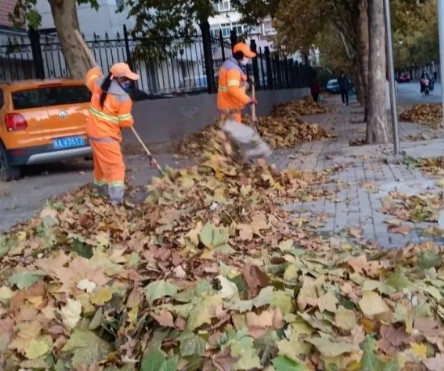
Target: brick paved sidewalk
356, 206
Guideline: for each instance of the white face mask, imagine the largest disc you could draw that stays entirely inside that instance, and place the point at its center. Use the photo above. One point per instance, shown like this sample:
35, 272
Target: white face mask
245, 61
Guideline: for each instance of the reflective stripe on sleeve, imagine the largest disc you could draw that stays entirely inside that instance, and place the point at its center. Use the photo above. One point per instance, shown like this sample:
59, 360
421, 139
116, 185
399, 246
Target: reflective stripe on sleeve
103, 116
125, 117
233, 83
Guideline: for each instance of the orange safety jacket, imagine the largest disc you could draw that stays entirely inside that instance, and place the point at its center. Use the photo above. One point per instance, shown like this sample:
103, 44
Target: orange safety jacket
231, 95
106, 122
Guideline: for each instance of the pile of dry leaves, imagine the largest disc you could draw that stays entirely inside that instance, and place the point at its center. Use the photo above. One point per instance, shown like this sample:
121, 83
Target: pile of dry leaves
283, 129
428, 165
211, 274
298, 107
426, 114
423, 207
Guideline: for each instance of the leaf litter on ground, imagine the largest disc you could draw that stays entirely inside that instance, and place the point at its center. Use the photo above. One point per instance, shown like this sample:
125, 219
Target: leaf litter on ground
210, 273
284, 128
422, 207
432, 166
425, 114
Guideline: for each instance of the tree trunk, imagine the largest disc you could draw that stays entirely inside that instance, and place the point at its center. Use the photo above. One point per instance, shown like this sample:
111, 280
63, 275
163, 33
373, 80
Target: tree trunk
363, 55
377, 115
65, 19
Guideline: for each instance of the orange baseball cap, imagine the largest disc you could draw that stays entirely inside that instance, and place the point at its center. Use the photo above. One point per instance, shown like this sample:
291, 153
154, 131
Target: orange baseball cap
242, 47
123, 70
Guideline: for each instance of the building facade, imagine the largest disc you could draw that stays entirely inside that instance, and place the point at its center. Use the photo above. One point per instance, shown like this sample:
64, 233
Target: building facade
92, 22
7, 31
107, 20
14, 60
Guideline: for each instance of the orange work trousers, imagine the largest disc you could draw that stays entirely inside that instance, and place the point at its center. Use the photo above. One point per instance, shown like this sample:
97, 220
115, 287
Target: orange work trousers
109, 168
236, 116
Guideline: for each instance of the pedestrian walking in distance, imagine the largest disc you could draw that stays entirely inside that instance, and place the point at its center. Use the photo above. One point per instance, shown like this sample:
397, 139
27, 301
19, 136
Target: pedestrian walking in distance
315, 90
344, 86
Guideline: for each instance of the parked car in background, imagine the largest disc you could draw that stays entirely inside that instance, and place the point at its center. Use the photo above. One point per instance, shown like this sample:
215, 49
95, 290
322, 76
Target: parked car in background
403, 77
333, 86
41, 122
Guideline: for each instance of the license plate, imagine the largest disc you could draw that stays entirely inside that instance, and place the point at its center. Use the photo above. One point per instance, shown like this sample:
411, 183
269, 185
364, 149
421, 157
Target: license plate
68, 142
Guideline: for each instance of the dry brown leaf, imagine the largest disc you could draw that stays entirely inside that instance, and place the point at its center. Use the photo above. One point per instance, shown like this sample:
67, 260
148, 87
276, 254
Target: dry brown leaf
164, 317
327, 302
35, 291
26, 333
267, 319
358, 263
255, 279
402, 229
223, 361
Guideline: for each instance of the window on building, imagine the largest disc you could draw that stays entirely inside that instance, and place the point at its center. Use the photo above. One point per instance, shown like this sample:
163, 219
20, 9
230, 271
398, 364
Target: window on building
268, 26
238, 27
252, 30
224, 6
226, 29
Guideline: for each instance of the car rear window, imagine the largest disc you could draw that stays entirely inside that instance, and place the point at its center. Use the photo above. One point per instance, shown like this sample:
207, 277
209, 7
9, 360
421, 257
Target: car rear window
50, 96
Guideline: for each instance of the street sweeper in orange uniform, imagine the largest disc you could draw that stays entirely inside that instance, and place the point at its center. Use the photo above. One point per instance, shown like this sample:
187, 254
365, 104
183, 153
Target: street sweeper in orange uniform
109, 113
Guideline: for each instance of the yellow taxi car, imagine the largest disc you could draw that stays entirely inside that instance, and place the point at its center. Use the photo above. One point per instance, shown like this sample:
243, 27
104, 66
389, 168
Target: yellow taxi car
40, 122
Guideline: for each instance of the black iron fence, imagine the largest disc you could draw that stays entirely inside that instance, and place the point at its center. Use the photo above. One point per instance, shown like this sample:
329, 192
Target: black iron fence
167, 66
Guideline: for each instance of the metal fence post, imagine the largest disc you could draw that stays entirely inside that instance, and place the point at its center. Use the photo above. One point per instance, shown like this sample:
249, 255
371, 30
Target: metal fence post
262, 78
290, 73
287, 65
253, 48
297, 73
233, 38
208, 55
222, 46
269, 69
127, 47
303, 69
277, 62
36, 48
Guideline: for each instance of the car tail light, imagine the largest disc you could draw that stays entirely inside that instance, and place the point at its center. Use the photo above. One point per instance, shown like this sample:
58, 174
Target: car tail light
15, 121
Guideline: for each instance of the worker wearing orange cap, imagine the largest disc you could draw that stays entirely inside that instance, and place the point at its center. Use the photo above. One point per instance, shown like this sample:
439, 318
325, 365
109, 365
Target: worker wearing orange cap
231, 100
232, 96
109, 112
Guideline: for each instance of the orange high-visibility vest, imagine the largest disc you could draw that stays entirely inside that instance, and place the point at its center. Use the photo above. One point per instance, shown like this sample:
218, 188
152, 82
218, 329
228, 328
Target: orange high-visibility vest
231, 93
107, 121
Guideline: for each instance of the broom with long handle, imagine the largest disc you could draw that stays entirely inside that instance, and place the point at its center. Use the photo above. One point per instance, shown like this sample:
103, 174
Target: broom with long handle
253, 106
93, 62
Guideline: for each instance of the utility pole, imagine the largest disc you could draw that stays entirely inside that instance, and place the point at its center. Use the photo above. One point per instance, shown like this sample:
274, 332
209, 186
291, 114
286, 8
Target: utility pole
441, 48
391, 71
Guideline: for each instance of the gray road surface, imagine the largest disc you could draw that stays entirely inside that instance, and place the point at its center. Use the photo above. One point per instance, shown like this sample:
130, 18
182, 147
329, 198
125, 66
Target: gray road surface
19, 200
409, 93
